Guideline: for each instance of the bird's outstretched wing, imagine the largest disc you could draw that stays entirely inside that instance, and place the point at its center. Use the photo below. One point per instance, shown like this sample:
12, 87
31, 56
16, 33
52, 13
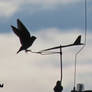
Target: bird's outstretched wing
16, 31
21, 32
21, 27
24, 35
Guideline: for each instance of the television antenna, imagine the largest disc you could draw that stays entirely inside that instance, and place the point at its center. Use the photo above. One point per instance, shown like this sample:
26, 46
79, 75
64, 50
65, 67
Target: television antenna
49, 51
76, 43
85, 41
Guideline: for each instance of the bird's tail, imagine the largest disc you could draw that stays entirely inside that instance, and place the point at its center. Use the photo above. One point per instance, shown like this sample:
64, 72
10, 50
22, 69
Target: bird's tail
19, 50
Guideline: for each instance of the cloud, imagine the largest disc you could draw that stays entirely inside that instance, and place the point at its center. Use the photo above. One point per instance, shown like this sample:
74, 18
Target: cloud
51, 2
7, 8
10, 7
33, 72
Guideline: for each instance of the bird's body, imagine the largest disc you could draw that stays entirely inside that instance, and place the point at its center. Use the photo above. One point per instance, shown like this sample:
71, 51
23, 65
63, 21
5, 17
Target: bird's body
26, 39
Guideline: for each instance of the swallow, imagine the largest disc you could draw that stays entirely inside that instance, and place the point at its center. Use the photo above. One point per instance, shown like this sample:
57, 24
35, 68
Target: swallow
25, 38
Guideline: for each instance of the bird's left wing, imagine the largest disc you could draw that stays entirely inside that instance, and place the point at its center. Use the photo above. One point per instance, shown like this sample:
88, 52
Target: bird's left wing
22, 28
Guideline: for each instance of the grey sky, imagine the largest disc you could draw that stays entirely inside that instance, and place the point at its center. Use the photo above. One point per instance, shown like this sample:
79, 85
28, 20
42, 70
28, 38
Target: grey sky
60, 16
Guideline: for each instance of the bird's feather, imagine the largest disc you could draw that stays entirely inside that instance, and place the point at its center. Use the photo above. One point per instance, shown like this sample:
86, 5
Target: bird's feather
22, 27
25, 39
16, 31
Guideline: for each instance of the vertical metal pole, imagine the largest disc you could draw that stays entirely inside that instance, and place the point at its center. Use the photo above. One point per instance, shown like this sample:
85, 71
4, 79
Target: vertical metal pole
75, 71
85, 21
83, 45
61, 63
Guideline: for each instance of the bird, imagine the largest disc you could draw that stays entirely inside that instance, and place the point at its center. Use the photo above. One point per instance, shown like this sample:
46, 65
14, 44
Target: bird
2, 85
25, 37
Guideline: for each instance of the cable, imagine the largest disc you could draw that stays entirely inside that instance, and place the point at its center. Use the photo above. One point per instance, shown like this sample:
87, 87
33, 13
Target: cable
45, 52
85, 42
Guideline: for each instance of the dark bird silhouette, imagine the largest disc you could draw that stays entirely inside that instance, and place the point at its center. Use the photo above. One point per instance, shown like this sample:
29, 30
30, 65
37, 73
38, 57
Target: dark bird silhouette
26, 39
1, 85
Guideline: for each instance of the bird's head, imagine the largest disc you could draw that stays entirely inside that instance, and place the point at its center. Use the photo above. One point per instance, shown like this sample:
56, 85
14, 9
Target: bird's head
33, 38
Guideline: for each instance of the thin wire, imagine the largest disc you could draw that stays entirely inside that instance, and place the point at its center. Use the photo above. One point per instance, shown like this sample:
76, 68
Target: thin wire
85, 42
46, 52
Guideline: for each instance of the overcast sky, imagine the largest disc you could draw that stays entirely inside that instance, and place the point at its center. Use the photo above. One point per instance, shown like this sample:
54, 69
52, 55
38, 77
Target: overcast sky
53, 22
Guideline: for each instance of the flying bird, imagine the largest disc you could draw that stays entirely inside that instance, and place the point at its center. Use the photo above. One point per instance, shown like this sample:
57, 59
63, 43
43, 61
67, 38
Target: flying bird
25, 38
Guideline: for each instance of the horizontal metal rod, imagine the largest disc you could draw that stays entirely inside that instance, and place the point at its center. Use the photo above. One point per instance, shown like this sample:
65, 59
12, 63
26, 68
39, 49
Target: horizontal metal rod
59, 47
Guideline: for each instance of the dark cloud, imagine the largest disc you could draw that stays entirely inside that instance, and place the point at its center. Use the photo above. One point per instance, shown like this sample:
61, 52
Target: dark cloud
62, 17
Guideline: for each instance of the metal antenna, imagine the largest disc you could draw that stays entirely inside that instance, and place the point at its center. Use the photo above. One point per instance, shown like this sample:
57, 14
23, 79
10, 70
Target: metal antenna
61, 62
50, 51
76, 55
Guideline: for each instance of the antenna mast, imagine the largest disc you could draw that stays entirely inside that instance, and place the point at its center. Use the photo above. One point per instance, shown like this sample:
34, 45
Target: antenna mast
76, 55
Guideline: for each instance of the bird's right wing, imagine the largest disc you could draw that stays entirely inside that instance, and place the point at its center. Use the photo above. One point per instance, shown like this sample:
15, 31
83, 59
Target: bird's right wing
16, 31
19, 34
24, 34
